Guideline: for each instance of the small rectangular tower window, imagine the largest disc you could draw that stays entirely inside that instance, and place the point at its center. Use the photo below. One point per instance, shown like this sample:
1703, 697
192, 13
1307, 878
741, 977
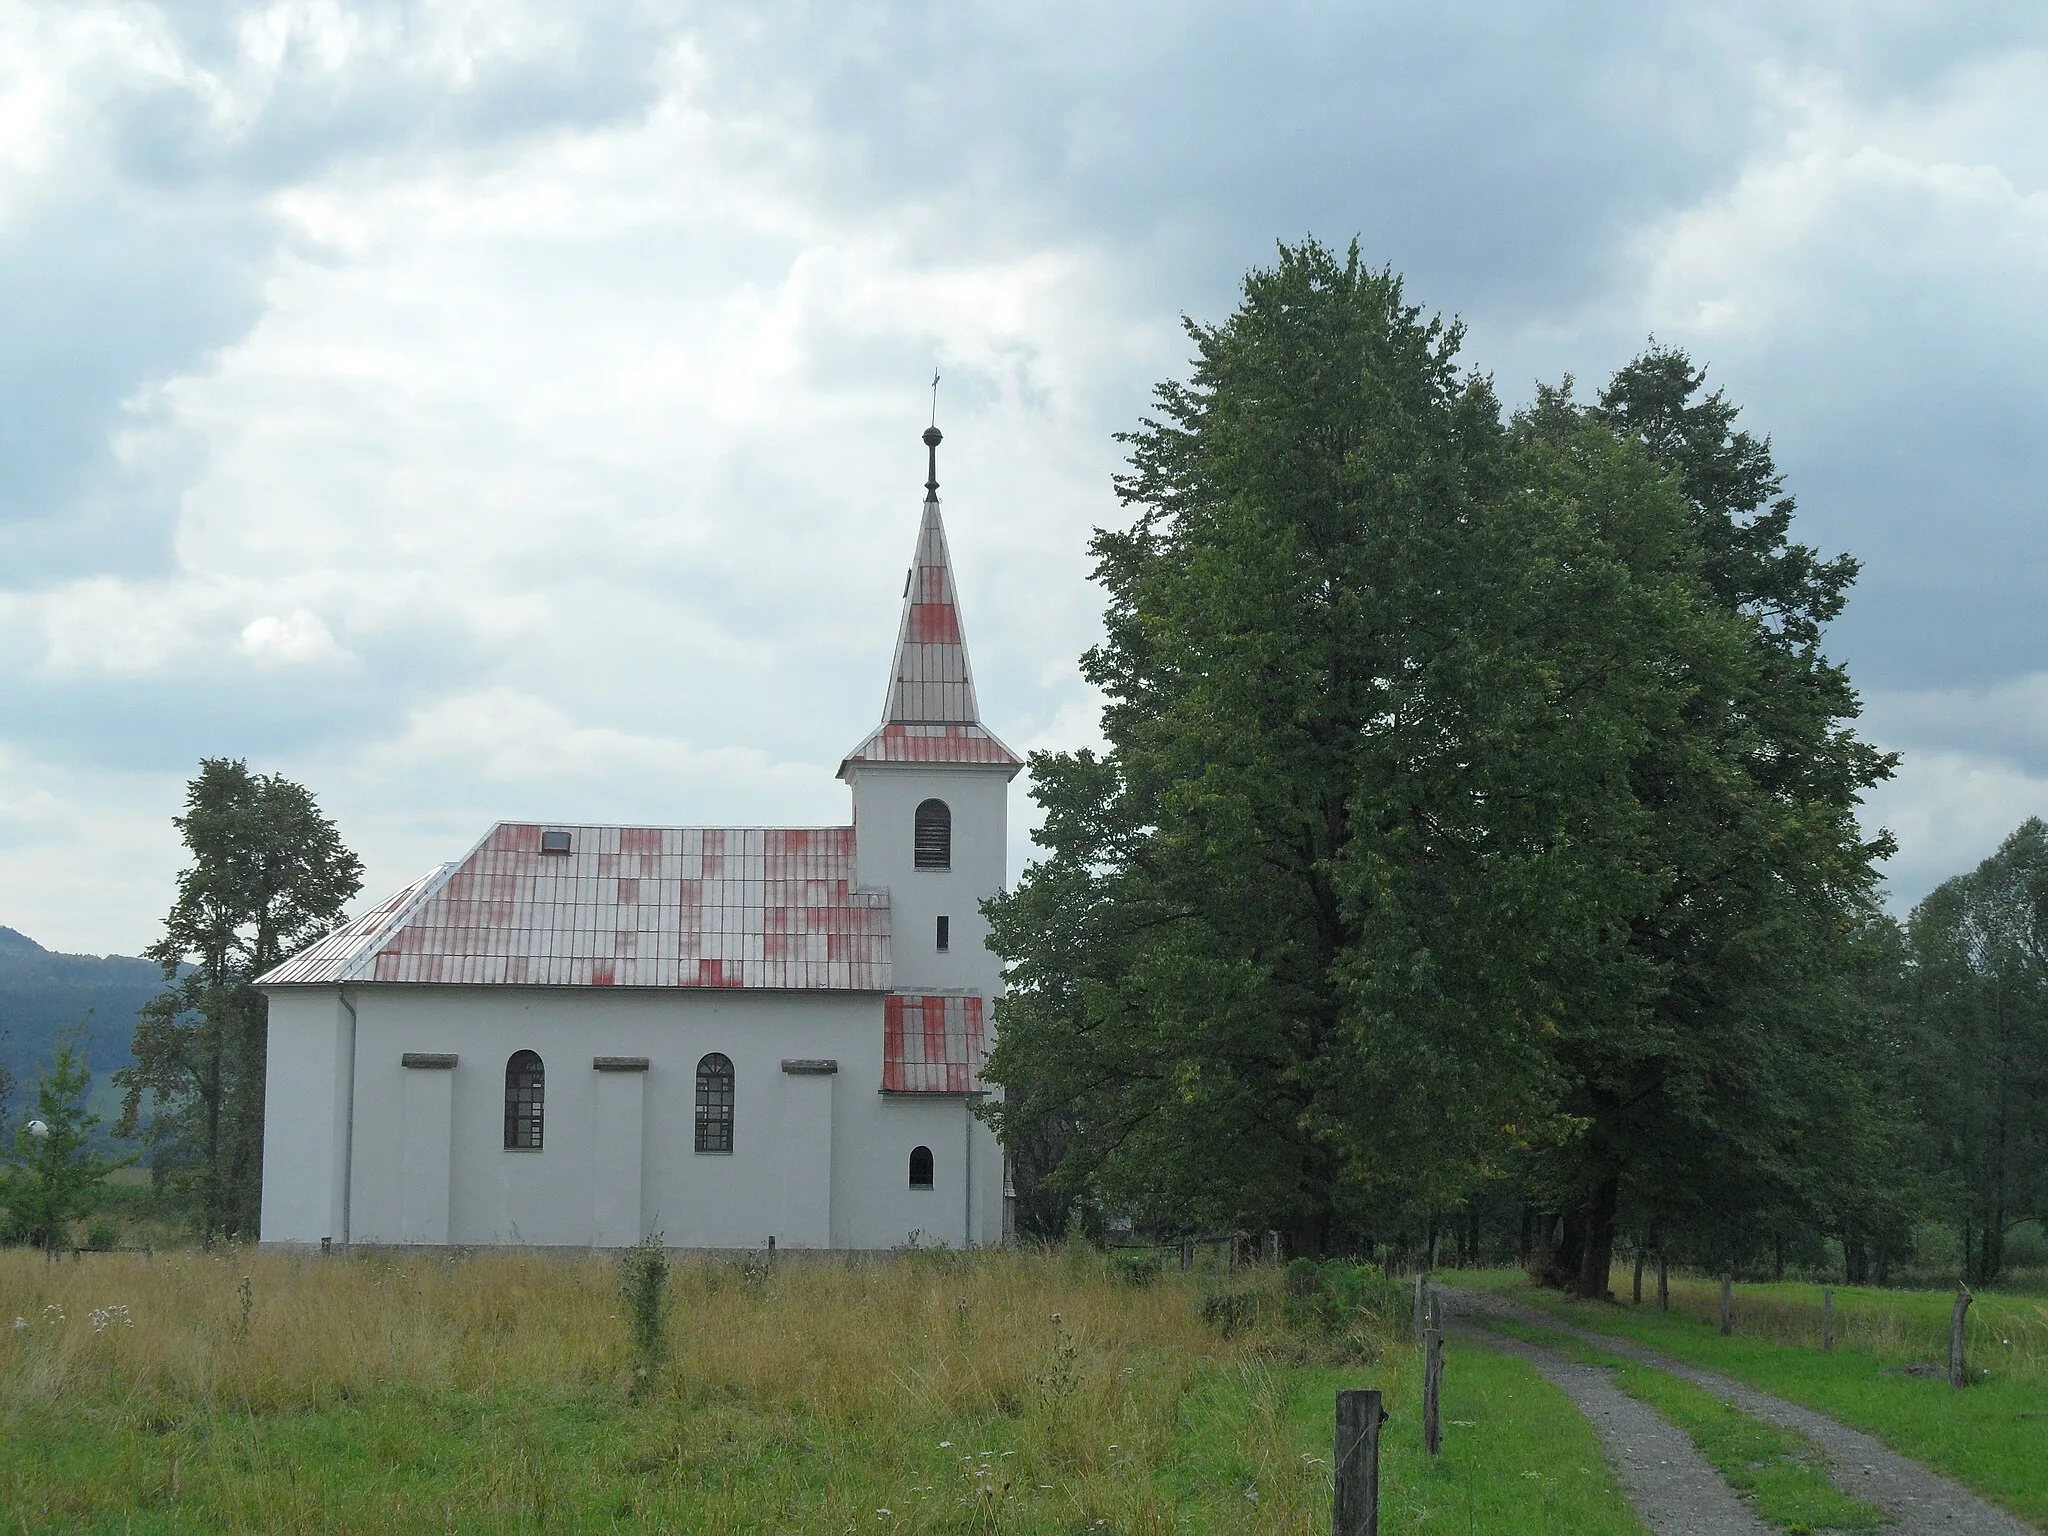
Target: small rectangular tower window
945, 933
554, 842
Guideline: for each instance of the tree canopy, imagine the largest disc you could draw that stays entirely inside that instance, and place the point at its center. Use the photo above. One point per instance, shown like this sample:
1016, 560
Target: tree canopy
1471, 781
1976, 973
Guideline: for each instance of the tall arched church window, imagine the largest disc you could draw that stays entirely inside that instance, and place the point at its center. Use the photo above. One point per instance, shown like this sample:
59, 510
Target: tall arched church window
525, 1089
932, 842
920, 1167
714, 1104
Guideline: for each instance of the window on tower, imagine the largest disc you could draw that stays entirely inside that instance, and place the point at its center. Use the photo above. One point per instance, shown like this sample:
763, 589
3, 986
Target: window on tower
945, 934
920, 1167
932, 839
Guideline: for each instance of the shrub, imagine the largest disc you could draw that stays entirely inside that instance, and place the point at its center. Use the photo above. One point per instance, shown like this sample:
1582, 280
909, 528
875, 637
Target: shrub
643, 1285
1346, 1304
1137, 1268
1231, 1312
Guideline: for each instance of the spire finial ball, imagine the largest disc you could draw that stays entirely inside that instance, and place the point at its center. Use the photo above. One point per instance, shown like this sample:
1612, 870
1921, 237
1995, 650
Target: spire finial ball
933, 437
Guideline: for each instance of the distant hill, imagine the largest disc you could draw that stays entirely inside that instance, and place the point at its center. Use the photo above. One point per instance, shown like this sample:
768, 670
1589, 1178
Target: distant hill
42, 992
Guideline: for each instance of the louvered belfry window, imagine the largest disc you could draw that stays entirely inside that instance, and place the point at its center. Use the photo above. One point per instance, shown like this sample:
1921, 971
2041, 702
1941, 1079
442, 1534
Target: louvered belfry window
933, 839
714, 1104
525, 1087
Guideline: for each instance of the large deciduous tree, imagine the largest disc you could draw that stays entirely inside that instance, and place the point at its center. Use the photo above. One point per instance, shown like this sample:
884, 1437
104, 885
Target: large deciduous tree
1446, 806
269, 875
1746, 1093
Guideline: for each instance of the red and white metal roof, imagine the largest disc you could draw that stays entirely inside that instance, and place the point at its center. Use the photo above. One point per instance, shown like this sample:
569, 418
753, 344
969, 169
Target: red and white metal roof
932, 1043
749, 907
930, 715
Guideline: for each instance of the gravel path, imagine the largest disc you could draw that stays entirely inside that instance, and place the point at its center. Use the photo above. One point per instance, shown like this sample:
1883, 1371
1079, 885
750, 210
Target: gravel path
1923, 1503
1672, 1486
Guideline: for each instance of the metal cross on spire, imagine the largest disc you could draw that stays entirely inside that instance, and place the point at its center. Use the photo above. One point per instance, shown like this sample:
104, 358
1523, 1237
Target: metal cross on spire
932, 438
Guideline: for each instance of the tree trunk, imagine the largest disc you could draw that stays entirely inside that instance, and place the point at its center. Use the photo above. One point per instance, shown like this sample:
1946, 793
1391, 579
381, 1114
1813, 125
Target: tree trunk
1636, 1291
210, 1201
1557, 1265
1596, 1258
1855, 1254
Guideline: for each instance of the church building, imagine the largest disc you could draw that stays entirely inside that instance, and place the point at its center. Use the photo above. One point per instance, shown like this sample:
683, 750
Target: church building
578, 1036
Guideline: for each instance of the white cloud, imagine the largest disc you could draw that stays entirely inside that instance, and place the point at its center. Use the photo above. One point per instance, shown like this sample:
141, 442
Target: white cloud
290, 640
1949, 810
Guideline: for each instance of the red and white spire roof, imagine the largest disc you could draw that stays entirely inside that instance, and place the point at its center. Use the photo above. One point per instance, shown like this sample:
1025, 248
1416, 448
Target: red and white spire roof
930, 715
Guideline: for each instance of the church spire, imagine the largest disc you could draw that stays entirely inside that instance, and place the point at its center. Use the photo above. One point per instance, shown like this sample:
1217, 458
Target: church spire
931, 714
932, 683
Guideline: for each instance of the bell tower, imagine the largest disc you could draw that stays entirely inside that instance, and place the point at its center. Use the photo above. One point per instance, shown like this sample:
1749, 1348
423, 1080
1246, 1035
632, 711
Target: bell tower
931, 784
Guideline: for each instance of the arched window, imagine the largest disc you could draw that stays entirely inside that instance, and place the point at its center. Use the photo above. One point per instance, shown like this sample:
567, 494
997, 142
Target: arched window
920, 1167
932, 842
525, 1085
714, 1104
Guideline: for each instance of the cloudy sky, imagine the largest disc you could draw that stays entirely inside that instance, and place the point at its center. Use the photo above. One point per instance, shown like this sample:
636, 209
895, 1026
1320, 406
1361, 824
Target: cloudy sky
510, 409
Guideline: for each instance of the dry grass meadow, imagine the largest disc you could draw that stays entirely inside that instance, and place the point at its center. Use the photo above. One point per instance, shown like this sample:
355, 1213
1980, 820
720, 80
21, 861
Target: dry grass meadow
812, 1397
926, 1392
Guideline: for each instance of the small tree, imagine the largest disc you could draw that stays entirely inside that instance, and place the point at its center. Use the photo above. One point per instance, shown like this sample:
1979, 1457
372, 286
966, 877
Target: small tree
53, 1178
269, 875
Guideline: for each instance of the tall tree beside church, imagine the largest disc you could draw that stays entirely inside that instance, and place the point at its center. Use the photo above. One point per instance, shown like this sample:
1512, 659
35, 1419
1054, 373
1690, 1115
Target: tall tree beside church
1748, 1092
1366, 839
269, 875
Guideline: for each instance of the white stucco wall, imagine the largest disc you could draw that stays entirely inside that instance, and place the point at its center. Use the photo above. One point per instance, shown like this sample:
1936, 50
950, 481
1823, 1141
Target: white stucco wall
305, 1117
428, 1140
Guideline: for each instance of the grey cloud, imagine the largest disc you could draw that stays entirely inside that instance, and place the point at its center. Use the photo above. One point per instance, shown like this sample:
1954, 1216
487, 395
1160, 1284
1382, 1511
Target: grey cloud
101, 293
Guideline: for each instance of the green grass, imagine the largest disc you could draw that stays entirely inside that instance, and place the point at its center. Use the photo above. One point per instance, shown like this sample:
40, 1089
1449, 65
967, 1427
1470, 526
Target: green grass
1992, 1437
1003, 1393
1782, 1472
1252, 1439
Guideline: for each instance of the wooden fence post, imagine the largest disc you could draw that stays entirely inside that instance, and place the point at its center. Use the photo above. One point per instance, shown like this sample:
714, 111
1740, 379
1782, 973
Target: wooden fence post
1432, 1389
1727, 1305
1187, 1254
1421, 1320
1958, 1365
1827, 1320
1356, 1462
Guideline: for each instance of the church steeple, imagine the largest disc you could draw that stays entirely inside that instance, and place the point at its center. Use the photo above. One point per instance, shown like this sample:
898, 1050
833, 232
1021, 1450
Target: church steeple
932, 682
931, 714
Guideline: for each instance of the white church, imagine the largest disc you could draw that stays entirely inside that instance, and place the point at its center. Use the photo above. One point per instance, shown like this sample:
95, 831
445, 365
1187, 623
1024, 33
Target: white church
578, 1036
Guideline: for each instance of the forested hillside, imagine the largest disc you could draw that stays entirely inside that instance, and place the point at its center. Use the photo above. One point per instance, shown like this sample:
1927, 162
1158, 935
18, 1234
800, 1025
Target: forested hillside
42, 992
